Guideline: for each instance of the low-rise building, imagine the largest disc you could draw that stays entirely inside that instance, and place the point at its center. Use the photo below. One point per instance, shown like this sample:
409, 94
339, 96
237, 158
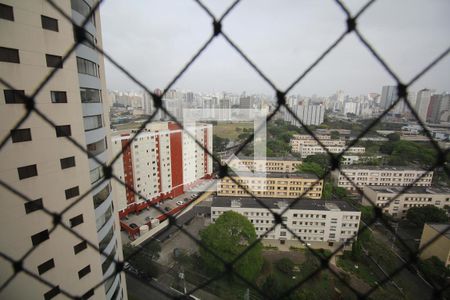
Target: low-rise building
310, 137
358, 159
383, 196
297, 144
433, 245
306, 150
381, 176
320, 224
272, 185
269, 164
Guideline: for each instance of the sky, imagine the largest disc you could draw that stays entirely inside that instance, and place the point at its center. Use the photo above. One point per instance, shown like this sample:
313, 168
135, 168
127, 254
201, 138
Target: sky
155, 39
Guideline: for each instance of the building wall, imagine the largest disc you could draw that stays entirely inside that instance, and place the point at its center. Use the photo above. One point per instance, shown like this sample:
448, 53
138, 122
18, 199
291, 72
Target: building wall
312, 226
306, 151
381, 177
165, 161
271, 187
439, 247
45, 150
265, 165
400, 206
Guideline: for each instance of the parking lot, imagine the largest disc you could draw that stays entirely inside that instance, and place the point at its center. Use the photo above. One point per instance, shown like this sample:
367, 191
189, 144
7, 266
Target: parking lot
137, 220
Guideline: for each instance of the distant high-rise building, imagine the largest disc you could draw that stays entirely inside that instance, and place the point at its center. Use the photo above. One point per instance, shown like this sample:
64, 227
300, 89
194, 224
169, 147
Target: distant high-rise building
308, 113
438, 110
422, 104
42, 164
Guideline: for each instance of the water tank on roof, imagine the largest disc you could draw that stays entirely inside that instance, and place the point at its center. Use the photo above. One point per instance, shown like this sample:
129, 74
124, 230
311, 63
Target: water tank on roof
154, 222
143, 229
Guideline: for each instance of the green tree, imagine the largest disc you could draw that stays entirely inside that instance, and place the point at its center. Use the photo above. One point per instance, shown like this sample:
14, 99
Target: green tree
285, 265
228, 237
367, 213
435, 270
321, 159
426, 214
312, 167
142, 258
272, 288
327, 192
335, 135
393, 137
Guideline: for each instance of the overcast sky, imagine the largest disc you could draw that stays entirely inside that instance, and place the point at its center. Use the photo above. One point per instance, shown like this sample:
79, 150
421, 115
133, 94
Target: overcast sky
154, 40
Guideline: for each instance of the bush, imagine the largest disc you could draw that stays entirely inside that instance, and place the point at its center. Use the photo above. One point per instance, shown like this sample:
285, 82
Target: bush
285, 265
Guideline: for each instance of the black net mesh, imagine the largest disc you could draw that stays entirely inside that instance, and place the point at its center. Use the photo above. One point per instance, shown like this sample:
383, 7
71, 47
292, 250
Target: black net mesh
216, 31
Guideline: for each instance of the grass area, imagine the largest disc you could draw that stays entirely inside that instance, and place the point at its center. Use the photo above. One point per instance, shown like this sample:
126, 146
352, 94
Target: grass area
363, 271
231, 130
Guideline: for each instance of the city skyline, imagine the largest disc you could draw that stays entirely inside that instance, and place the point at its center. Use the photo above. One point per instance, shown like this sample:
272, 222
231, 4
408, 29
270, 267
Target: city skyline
176, 31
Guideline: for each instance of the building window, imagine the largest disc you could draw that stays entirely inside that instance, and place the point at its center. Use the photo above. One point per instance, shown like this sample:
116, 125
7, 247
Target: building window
96, 148
58, 96
40, 237
49, 23
14, 96
52, 293
89, 40
83, 272
92, 122
21, 135
79, 247
72, 192
90, 95
88, 294
101, 196
67, 162
75, 221
87, 67
44, 267
63, 130
6, 12
83, 8
27, 171
54, 61
9, 55
33, 205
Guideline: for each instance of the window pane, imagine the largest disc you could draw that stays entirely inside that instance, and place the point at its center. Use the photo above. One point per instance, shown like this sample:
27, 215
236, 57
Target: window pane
58, 96
9, 55
101, 196
75, 221
54, 61
14, 96
49, 23
21, 135
40, 237
67, 162
72, 192
33, 205
92, 122
90, 95
27, 171
52, 293
6, 12
49, 264
63, 130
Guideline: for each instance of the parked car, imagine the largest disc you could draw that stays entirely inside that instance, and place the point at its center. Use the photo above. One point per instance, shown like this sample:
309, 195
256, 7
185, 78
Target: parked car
133, 225
167, 208
179, 202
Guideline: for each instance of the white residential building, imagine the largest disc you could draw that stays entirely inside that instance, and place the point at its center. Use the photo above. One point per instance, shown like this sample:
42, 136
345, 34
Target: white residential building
162, 162
306, 151
40, 161
381, 176
383, 197
320, 224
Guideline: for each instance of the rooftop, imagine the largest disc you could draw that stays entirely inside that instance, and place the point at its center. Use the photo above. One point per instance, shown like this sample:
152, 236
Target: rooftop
390, 168
275, 175
411, 190
303, 204
441, 228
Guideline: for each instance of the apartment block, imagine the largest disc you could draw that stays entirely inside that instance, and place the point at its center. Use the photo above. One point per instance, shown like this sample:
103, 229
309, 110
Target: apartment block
41, 163
298, 144
414, 197
321, 137
320, 224
272, 185
435, 241
161, 162
269, 164
381, 176
306, 151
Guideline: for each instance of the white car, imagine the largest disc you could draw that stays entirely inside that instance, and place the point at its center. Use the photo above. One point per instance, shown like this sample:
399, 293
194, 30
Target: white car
179, 202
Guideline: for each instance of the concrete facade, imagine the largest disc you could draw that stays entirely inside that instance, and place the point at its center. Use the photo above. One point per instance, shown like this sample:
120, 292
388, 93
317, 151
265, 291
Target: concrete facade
381, 176
413, 197
438, 246
56, 172
270, 164
320, 224
272, 185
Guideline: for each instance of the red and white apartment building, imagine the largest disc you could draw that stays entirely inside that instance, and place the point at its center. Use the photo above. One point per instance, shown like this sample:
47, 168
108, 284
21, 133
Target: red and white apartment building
162, 162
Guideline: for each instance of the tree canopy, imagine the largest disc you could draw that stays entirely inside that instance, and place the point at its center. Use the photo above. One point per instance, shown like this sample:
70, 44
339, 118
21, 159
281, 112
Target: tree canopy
228, 237
426, 214
312, 167
143, 258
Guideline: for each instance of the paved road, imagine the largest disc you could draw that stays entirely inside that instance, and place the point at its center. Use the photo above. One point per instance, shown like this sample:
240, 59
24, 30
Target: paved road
138, 290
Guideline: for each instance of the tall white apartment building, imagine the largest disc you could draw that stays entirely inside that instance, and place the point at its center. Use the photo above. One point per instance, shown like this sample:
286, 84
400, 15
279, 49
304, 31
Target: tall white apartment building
41, 163
308, 112
381, 176
383, 197
161, 162
320, 224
